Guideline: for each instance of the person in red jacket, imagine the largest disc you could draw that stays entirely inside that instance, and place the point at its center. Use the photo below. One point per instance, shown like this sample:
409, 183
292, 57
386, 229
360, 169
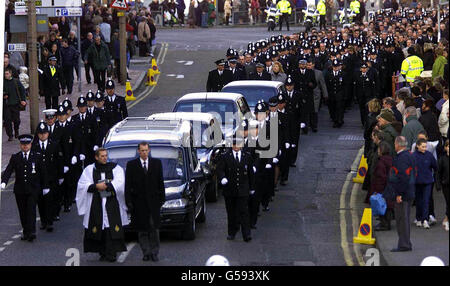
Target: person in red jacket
379, 181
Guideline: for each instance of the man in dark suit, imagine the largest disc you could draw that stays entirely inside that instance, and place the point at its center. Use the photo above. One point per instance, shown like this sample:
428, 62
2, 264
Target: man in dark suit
249, 66
430, 38
364, 86
31, 178
235, 173
305, 83
260, 74
293, 113
237, 73
115, 105
218, 78
335, 88
144, 195
52, 83
85, 126
100, 119
47, 150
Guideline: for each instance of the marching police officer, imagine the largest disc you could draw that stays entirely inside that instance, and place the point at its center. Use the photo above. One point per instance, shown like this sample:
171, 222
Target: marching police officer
364, 88
115, 105
31, 179
335, 87
237, 73
100, 119
305, 83
235, 172
293, 113
218, 78
85, 127
48, 152
283, 133
90, 99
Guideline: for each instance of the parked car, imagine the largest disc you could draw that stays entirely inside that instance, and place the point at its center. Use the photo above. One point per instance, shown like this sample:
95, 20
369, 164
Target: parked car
184, 180
208, 142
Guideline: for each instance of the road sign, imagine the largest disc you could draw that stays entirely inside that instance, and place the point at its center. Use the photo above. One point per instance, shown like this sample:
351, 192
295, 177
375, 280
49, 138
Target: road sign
119, 4
69, 11
17, 47
61, 3
19, 23
21, 8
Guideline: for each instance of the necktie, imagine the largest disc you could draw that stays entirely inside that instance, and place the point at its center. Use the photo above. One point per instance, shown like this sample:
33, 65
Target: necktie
145, 166
237, 157
25, 156
43, 146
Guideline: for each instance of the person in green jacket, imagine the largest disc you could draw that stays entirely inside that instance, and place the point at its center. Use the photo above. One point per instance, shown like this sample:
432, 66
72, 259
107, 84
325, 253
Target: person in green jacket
439, 63
412, 127
99, 58
211, 9
385, 119
13, 98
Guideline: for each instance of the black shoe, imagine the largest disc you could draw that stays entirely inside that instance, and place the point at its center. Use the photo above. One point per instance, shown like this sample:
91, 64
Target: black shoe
146, 258
111, 259
31, 237
67, 209
266, 209
49, 228
401, 249
10, 138
230, 237
16, 134
88, 82
340, 124
314, 130
248, 239
253, 227
305, 131
293, 165
56, 218
335, 125
155, 257
24, 237
283, 183
43, 226
102, 258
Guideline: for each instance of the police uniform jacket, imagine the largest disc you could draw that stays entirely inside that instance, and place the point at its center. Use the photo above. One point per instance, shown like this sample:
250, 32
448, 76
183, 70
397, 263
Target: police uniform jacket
240, 174
69, 143
87, 132
31, 177
335, 84
305, 84
51, 84
101, 125
49, 159
216, 82
238, 74
364, 86
116, 110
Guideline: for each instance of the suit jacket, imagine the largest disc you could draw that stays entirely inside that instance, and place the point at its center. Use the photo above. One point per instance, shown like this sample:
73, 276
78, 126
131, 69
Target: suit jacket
31, 177
216, 82
240, 174
249, 69
144, 193
69, 143
51, 85
239, 74
264, 76
101, 123
320, 90
116, 110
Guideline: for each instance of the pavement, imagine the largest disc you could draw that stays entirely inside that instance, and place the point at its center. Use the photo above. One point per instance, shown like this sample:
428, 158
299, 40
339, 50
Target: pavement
311, 221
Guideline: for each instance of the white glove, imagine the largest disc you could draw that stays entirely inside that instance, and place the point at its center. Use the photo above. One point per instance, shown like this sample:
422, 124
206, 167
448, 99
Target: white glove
95, 148
66, 169
82, 157
279, 153
268, 166
287, 145
275, 160
74, 160
293, 145
252, 192
3, 186
224, 181
60, 181
302, 125
254, 169
45, 191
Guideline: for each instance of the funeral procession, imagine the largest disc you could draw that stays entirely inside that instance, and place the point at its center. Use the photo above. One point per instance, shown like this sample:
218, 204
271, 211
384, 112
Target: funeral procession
249, 133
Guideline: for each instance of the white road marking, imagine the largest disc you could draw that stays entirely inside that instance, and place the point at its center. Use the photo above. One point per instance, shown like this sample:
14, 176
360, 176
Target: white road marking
189, 63
180, 76
124, 255
180, 62
171, 74
16, 236
9, 242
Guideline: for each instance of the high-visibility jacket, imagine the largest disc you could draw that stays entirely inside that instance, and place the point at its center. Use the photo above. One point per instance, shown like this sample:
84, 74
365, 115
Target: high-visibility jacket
354, 6
322, 8
284, 6
411, 68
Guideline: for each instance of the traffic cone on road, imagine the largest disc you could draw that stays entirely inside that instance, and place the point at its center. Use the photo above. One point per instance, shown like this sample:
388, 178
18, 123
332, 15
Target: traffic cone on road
129, 92
362, 171
155, 66
365, 229
151, 81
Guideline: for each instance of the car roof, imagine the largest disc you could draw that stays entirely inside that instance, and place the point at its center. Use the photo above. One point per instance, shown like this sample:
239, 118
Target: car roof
137, 129
263, 83
191, 116
210, 95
